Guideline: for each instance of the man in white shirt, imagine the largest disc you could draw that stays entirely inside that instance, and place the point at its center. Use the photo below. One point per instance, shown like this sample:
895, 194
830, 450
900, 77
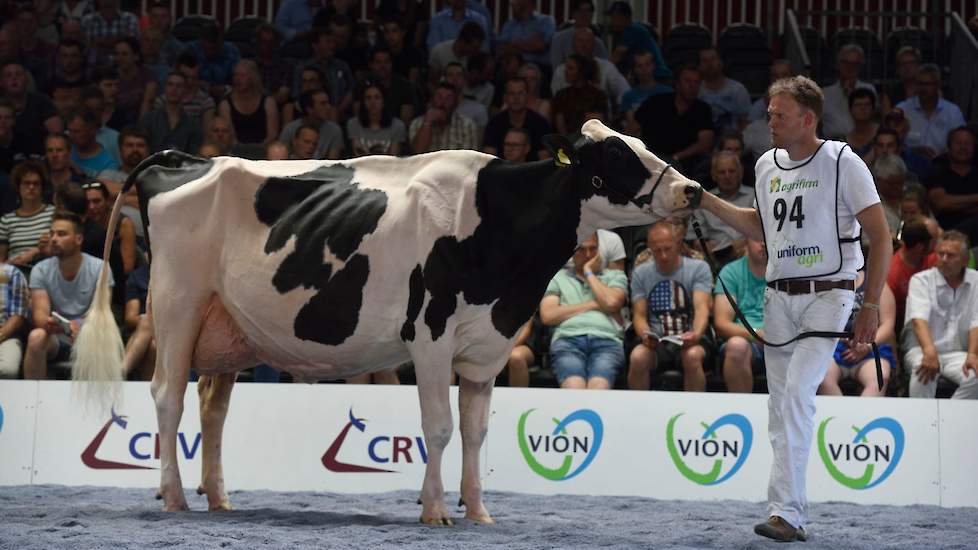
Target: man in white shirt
610, 78
836, 121
728, 99
941, 330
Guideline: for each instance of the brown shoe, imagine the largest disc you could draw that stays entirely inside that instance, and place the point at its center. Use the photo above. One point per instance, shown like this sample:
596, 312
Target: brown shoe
779, 529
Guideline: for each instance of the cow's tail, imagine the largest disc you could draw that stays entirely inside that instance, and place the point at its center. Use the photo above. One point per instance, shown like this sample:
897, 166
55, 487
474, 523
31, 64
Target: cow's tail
98, 351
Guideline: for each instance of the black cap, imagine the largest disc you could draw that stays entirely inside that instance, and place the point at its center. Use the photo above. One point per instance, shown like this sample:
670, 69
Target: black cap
621, 8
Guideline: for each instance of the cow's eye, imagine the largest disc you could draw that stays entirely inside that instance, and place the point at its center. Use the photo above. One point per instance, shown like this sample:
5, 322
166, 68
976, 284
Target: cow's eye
614, 153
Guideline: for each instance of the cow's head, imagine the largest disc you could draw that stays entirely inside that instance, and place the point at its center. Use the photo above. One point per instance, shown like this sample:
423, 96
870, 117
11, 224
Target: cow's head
620, 180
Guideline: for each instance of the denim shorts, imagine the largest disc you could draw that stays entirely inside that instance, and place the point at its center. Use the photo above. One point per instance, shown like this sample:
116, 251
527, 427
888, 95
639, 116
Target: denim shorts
756, 357
886, 354
587, 357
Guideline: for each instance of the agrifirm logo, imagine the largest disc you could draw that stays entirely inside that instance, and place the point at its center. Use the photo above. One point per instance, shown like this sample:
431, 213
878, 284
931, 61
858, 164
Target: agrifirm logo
381, 449
856, 462
132, 452
573, 442
716, 454
778, 187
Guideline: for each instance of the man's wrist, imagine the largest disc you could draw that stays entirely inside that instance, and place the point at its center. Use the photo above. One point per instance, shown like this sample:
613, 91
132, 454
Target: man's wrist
588, 273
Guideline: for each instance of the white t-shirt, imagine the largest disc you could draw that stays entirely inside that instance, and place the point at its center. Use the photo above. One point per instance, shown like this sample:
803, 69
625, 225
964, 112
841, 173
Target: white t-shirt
807, 187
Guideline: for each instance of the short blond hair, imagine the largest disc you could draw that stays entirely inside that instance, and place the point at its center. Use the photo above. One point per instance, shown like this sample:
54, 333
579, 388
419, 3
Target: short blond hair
803, 90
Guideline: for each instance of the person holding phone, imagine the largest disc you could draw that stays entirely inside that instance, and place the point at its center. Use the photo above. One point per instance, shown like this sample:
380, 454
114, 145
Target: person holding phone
62, 288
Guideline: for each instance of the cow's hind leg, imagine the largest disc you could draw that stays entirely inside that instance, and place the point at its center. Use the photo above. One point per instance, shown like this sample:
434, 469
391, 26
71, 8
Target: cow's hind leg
433, 377
215, 396
473, 410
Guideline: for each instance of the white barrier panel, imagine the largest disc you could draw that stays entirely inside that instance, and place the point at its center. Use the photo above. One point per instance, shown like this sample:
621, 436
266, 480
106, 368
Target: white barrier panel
277, 437
368, 439
875, 451
18, 408
959, 452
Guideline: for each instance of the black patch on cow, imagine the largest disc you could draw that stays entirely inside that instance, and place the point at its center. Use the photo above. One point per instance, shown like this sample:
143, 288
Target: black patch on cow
321, 208
621, 171
162, 172
415, 300
529, 215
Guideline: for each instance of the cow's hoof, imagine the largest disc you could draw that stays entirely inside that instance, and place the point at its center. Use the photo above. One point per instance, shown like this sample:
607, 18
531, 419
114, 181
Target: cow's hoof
201, 490
482, 518
224, 506
179, 507
443, 520
159, 495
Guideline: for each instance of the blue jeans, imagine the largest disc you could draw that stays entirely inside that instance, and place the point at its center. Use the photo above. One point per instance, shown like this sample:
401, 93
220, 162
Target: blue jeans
587, 357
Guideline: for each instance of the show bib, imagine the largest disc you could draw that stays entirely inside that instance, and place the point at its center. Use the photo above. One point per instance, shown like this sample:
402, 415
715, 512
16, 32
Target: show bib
799, 214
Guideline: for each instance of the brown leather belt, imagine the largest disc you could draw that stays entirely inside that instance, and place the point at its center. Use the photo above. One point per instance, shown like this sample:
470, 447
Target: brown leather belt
807, 286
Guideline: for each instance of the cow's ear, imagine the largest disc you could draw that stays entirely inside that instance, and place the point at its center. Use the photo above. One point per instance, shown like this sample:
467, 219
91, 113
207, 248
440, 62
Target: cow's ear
561, 149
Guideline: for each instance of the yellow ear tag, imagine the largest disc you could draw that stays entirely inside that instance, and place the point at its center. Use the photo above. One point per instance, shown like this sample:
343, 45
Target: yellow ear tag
562, 157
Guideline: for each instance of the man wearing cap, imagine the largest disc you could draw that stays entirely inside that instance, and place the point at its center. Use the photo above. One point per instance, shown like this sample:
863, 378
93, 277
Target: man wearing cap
629, 38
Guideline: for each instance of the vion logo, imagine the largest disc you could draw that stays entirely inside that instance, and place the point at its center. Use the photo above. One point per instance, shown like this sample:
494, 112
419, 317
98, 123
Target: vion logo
142, 446
878, 444
716, 454
1, 419
381, 449
559, 446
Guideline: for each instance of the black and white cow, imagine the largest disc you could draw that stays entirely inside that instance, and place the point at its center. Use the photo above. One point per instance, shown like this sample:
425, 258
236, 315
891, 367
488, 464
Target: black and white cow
331, 269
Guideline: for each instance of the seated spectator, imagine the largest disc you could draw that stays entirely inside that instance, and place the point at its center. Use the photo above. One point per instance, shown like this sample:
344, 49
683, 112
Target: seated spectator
677, 125
780, 68
37, 54
931, 117
734, 142
209, 150
528, 33
374, 131
107, 81
216, 58
66, 99
63, 284
541, 106
441, 127
253, 114
94, 102
478, 113
479, 71
311, 79
836, 121
124, 256
150, 43
469, 42
942, 322
86, 152
608, 78
917, 243
517, 115
952, 188
728, 99
197, 103
220, 132
22, 229
629, 38
140, 353
317, 112
643, 69
169, 126
36, 115
134, 148
516, 145
400, 95
13, 318
407, 60
352, 43
908, 60
275, 71
670, 312
856, 360
890, 174
106, 25
523, 354
57, 158
294, 18
446, 25
887, 142
584, 302
303, 144
915, 203
137, 83
725, 242
69, 68
161, 21
862, 111
8, 156
337, 77
741, 355
561, 46
276, 150
581, 96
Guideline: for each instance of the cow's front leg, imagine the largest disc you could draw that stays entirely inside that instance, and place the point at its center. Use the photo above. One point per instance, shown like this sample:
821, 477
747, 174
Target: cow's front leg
215, 395
473, 410
436, 421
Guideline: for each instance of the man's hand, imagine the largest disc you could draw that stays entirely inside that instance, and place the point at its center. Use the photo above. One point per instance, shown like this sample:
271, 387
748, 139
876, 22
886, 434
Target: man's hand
855, 352
435, 116
864, 329
594, 264
970, 363
690, 338
929, 368
649, 341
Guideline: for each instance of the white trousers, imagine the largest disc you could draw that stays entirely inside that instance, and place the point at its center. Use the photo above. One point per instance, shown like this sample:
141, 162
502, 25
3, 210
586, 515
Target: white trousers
951, 363
11, 351
794, 373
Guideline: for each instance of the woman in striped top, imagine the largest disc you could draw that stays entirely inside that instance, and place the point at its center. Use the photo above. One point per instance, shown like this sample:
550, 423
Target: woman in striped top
22, 229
